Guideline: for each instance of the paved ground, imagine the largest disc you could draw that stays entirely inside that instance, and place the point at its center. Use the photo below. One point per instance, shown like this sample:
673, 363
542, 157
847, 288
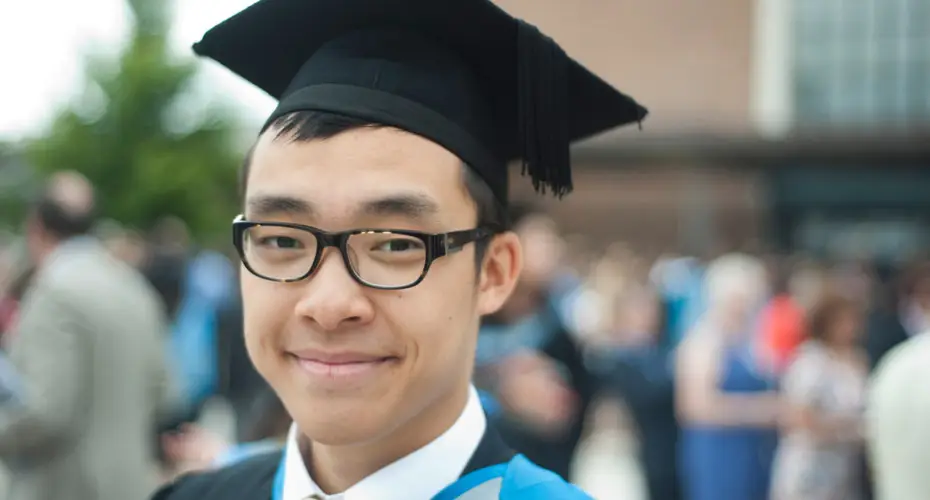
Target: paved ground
606, 467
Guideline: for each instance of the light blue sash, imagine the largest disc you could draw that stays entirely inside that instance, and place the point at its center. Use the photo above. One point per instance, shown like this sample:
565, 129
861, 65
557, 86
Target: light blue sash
518, 479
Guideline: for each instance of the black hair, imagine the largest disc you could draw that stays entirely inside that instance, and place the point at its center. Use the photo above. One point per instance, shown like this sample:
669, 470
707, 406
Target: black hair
61, 222
304, 126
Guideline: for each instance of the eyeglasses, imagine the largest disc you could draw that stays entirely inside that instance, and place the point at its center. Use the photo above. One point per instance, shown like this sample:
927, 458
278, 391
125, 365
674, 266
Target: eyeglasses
386, 259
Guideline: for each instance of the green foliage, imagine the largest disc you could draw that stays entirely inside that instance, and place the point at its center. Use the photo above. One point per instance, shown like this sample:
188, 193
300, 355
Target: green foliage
125, 135
16, 184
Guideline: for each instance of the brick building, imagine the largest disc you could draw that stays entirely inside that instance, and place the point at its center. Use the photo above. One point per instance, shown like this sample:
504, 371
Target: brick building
765, 126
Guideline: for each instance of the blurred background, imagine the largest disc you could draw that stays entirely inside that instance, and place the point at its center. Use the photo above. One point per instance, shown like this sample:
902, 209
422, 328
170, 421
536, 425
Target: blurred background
704, 310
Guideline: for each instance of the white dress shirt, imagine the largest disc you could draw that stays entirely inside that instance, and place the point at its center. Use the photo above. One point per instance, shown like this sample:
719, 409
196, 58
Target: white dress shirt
418, 476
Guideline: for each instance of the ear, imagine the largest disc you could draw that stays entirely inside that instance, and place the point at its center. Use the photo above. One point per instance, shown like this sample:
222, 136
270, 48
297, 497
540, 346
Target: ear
500, 272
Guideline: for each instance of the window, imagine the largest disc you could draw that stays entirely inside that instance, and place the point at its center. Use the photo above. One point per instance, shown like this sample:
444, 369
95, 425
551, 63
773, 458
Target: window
861, 62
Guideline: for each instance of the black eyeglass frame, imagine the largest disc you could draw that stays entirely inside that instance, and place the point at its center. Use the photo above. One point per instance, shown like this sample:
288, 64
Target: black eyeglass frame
436, 244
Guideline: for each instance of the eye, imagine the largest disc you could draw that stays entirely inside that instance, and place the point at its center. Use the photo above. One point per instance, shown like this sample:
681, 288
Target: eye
274, 238
399, 244
280, 242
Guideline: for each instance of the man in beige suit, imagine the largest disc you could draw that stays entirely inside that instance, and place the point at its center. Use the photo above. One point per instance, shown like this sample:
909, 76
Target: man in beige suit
899, 422
89, 356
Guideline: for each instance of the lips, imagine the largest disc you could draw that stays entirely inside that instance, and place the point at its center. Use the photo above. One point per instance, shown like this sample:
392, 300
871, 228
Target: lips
339, 365
337, 358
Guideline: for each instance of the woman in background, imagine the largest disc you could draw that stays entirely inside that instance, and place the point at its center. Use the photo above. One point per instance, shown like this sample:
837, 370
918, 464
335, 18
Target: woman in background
821, 446
727, 406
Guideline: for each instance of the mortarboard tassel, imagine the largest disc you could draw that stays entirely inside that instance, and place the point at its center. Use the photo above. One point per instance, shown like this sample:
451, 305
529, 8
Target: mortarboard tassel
543, 119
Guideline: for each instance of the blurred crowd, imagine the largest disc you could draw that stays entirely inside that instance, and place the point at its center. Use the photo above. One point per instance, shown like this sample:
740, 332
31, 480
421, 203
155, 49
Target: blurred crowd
742, 376
739, 376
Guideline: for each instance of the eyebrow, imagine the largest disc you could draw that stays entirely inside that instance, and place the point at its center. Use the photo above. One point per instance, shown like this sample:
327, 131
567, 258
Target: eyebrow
410, 205
415, 206
264, 206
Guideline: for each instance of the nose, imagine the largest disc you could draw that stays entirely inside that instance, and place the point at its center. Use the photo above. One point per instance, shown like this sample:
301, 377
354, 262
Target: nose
332, 298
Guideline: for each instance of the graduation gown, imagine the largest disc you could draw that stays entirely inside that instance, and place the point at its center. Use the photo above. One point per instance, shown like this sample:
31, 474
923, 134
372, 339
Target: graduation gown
493, 472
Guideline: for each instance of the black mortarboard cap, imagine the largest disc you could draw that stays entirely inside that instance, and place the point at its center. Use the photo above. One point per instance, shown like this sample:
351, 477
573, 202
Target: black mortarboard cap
463, 73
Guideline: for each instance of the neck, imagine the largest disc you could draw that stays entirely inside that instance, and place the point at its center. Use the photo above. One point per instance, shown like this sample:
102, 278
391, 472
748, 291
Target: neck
336, 468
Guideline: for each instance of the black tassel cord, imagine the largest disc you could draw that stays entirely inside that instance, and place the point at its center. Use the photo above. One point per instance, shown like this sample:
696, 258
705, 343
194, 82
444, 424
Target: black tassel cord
543, 115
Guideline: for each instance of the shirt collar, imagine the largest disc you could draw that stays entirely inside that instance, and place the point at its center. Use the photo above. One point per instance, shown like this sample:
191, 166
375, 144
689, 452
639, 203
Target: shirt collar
420, 475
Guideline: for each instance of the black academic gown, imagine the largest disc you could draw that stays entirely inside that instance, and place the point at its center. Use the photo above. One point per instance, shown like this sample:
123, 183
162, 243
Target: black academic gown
253, 479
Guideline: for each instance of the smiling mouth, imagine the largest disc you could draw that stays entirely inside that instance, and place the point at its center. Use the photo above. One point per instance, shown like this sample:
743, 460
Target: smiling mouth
336, 370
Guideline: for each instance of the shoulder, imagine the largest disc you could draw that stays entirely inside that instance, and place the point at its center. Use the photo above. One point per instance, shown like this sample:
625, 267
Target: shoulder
251, 478
904, 361
78, 258
72, 271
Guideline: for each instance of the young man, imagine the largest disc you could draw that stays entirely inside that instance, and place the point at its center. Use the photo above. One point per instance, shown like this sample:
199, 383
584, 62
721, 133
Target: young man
373, 238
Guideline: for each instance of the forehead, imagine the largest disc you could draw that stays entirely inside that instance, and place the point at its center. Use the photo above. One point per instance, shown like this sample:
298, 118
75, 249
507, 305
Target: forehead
355, 166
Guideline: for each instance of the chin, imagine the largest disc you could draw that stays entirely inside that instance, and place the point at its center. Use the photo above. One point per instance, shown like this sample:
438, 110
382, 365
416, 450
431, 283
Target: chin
343, 427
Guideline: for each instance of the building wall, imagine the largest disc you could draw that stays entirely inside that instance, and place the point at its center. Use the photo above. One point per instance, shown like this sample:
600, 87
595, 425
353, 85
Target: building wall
690, 63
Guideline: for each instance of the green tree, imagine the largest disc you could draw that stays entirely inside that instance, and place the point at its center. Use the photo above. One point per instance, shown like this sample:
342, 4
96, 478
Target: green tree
133, 135
16, 183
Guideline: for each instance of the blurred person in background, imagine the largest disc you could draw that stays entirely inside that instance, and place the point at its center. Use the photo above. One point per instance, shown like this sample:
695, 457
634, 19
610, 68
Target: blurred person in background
808, 283
884, 327
195, 338
821, 445
12, 299
680, 282
782, 319
15, 275
166, 261
196, 286
915, 306
727, 405
127, 246
530, 358
89, 359
8, 304
897, 418
636, 368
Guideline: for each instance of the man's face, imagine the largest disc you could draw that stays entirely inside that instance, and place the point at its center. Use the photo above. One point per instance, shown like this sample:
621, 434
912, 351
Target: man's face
415, 345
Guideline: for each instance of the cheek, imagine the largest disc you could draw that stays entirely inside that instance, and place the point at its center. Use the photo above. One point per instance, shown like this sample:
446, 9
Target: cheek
437, 319
266, 311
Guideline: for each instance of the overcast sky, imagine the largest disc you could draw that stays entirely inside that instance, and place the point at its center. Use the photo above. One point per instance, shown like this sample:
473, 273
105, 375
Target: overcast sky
41, 54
